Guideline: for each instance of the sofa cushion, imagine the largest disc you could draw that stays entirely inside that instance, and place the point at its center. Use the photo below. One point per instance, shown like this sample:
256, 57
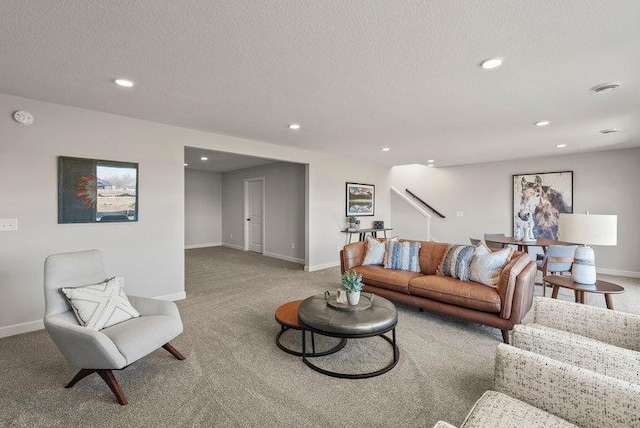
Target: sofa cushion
431, 254
495, 409
389, 279
402, 255
375, 249
456, 262
453, 291
487, 265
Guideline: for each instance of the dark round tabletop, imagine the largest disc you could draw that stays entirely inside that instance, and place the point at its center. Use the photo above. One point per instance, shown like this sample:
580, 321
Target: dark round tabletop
599, 286
315, 314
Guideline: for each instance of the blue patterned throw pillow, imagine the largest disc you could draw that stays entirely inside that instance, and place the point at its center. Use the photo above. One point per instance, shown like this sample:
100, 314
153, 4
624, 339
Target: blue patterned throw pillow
402, 255
457, 262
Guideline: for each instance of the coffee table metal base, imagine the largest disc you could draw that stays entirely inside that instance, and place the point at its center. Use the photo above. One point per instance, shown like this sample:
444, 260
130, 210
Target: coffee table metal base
396, 352
313, 353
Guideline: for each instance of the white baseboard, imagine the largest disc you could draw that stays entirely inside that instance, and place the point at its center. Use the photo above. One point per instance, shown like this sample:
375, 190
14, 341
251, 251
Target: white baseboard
281, 257
205, 245
322, 266
25, 327
617, 272
235, 247
173, 297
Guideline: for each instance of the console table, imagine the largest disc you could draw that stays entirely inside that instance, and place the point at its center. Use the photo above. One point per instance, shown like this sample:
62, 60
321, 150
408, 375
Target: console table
363, 232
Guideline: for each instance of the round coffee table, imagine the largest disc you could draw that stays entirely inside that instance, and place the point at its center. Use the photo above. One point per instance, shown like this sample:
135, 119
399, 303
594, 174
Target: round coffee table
287, 317
317, 316
601, 287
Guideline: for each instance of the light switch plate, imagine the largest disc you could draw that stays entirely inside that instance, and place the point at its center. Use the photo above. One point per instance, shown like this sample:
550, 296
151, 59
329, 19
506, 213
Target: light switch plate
8, 224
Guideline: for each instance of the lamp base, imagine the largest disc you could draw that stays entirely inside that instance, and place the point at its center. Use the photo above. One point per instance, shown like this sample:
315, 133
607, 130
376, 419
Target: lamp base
584, 266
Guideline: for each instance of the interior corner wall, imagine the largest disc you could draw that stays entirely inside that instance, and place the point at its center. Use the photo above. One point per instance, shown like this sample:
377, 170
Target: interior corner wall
202, 208
604, 182
284, 216
147, 253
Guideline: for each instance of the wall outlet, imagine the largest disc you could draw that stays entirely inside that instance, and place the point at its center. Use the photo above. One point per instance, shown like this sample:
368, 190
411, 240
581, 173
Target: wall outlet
293, 246
231, 236
459, 214
8, 224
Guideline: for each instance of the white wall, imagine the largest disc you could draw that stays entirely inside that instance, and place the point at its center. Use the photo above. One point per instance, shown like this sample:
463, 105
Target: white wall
150, 252
202, 208
284, 216
603, 183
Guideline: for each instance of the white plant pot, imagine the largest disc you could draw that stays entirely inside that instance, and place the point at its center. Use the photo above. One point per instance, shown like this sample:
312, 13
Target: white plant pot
353, 297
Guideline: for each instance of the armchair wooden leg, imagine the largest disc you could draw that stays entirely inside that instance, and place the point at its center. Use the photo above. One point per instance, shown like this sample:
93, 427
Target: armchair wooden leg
169, 347
505, 336
112, 382
107, 376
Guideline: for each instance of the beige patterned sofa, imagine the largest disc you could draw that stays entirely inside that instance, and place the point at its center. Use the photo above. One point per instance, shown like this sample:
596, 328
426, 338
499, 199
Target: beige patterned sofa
571, 365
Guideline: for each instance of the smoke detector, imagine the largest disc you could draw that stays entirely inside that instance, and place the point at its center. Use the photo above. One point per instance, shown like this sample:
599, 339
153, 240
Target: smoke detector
23, 117
606, 87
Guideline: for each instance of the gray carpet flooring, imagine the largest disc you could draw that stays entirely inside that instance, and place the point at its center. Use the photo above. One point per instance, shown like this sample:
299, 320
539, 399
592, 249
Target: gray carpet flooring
235, 376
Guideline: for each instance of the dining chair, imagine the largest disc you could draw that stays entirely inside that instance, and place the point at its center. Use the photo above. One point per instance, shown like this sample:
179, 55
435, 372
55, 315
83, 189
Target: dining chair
111, 348
557, 260
493, 235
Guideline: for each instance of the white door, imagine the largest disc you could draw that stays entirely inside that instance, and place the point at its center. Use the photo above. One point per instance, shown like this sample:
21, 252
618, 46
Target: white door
254, 209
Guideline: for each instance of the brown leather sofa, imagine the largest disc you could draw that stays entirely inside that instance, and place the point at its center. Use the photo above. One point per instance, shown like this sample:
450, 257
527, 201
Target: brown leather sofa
501, 307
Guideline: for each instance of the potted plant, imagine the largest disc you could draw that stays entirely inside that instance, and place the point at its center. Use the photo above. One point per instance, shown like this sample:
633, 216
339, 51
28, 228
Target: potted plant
353, 222
352, 282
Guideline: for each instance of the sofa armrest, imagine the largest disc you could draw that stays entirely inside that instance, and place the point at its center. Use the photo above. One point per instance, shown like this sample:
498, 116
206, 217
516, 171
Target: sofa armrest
352, 255
443, 424
580, 351
578, 395
149, 306
82, 346
516, 288
616, 328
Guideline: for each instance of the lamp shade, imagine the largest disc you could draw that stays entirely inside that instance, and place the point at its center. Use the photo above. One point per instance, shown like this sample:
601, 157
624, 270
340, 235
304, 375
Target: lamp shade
589, 229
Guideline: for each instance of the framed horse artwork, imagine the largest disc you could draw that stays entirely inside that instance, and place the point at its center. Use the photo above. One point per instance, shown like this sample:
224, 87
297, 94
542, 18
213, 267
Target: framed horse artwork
538, 201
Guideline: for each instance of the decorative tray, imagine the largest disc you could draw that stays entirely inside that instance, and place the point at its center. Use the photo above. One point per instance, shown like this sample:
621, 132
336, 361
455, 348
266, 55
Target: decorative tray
363, 304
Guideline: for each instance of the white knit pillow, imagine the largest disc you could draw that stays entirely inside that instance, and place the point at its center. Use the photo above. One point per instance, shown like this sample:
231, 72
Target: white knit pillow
100, 306
374, 254
486, 266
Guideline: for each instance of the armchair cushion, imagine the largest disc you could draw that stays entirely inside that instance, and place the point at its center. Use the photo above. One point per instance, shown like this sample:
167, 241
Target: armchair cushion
102, 305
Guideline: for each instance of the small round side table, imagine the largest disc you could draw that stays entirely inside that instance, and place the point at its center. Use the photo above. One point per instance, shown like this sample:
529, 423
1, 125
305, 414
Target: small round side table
287, 317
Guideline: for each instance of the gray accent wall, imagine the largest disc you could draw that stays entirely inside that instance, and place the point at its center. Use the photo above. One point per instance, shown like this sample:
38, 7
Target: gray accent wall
284, 216
605, 182
202, 208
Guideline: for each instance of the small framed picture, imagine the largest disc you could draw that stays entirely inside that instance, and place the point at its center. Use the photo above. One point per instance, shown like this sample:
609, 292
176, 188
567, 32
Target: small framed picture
360, 199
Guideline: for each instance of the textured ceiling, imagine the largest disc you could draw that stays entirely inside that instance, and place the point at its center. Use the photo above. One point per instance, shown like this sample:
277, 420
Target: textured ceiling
357, 75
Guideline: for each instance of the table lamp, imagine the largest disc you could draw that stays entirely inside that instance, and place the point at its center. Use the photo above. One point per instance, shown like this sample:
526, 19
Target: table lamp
587, 229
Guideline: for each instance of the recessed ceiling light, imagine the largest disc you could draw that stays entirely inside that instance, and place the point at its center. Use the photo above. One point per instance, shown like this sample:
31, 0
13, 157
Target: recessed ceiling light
186, 164
204, 158
294, 126
385, 149
609, 131
606, 87
561, 146
543, 123
431, 161
430, 164
491, 63
124, 82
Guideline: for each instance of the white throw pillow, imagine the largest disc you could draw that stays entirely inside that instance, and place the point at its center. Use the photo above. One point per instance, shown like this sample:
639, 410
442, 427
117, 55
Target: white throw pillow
100, 306
486, 265
374, 250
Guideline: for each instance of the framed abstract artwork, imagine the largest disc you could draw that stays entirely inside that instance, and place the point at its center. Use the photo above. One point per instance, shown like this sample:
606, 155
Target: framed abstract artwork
93, 190
360, 199
539, 199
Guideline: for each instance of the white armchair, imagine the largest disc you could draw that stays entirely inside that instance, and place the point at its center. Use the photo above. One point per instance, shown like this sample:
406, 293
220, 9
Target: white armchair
111, 348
